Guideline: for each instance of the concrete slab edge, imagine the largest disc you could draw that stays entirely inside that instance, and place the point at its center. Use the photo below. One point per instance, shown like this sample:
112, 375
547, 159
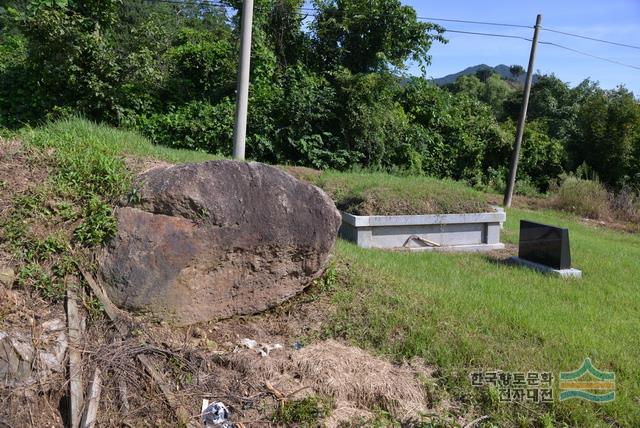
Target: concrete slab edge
412, 220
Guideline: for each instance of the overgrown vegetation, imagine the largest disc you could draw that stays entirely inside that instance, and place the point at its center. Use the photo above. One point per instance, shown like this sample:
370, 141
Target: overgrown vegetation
587, 198
326, 93
48, 223
402, 305
83, 172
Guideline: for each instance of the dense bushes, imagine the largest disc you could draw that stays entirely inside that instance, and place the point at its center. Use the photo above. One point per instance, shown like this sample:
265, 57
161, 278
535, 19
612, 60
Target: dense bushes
327, 95
587, 198
197, 126
607, 136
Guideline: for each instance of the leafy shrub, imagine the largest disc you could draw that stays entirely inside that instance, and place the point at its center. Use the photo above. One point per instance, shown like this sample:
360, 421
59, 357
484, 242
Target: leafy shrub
459, 137
541, 157
371, 122
197, 126
203, 66
304, 115
587, 198
526, 187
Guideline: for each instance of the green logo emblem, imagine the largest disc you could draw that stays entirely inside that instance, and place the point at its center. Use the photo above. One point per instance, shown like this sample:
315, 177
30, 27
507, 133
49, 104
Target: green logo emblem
588, 383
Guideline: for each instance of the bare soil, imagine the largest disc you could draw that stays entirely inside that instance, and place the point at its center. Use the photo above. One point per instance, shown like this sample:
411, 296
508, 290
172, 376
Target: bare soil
208, 361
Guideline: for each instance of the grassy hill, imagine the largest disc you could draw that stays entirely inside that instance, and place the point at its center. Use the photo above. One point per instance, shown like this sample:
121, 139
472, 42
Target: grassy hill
456, 312
501, 69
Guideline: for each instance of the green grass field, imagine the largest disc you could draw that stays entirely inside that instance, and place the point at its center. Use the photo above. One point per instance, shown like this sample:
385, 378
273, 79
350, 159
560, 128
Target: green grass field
459, 312
466, 311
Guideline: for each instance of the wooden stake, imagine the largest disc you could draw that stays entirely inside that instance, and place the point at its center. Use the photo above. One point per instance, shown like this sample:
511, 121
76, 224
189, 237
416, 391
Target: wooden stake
112, 311
75, 357
115, 315
95, 388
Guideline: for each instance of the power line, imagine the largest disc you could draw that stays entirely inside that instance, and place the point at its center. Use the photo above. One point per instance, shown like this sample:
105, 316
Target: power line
307, 12
613, 61
591, 55
506, 36
499, 24
221, 6
182, 3
590, 38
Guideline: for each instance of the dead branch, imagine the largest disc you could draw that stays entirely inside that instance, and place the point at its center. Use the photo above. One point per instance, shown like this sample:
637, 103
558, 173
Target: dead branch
115, 315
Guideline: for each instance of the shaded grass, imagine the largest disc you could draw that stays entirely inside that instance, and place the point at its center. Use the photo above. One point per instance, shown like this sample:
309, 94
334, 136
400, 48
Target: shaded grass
466, 311
373, 193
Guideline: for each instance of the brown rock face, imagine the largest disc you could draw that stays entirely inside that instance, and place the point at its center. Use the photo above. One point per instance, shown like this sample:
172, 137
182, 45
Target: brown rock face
216, 239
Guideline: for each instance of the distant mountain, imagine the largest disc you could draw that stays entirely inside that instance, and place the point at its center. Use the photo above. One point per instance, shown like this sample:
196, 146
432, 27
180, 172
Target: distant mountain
502, 70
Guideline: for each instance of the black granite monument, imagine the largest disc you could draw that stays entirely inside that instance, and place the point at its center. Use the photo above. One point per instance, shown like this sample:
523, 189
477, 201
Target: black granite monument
543, 244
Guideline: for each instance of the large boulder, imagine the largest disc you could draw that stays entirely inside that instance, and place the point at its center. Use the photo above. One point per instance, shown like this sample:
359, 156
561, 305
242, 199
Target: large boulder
211, 240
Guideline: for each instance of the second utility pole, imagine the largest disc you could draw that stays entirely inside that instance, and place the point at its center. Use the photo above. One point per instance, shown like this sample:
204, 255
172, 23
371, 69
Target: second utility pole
242, 93
522, 118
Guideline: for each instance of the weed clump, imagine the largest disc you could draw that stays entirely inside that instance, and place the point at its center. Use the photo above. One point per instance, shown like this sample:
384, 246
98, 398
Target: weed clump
306, 412
587, 198
48, 224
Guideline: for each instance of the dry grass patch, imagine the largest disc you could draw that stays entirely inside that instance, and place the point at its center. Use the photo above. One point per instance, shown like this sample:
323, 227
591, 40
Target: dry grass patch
586, 198
357, 381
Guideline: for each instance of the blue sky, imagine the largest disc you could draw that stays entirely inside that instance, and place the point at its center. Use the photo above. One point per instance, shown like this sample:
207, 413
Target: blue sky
615, 20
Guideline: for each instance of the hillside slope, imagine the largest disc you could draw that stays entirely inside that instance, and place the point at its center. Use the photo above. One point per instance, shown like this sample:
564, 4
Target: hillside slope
502, 70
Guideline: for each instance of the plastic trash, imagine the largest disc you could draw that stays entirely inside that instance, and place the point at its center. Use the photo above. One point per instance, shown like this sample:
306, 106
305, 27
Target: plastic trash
248, 343
215, 415
263, 348
32, 357
266, 349
297, 346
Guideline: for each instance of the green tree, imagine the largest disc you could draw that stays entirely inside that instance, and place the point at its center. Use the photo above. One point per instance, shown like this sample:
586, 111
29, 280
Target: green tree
70, 64
203, 66
484, 73
284, 28
462, 139
542, 158
606, 135
516, 71
306, 115
554, 102
371, 121
493, 91
370, 35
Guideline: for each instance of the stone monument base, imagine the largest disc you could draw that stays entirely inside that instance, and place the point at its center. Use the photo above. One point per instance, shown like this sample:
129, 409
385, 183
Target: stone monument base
564, 273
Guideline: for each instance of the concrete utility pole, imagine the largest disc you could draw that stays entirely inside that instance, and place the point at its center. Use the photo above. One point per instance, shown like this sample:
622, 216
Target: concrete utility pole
523, 117
242, 93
